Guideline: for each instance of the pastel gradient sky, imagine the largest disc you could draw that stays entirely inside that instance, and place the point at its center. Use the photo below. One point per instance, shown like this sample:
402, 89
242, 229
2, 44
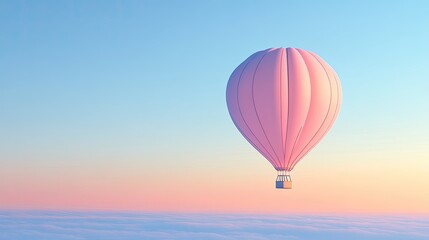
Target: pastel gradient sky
120, 105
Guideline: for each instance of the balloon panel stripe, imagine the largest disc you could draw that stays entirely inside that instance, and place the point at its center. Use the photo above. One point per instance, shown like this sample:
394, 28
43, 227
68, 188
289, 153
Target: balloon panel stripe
257, 115
245, 122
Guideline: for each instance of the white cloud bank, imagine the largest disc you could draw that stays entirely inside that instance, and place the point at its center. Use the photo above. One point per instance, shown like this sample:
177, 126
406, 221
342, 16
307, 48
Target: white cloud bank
49, 225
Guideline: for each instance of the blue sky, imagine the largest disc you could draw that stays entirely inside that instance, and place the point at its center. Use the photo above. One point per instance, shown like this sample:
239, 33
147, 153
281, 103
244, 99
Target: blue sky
91, 66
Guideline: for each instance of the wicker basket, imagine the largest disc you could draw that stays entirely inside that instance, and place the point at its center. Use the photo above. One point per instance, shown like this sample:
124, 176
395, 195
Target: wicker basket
284, 184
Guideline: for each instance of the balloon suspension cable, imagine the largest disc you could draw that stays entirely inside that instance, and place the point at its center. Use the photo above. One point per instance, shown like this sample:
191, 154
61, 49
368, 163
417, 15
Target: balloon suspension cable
283, 175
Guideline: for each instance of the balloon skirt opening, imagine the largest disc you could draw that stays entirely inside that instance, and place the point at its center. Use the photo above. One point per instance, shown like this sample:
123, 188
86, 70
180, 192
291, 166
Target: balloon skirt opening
284, 184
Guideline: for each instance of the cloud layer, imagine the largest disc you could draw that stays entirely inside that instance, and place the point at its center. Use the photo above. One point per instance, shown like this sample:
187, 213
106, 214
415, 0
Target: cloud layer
57, 225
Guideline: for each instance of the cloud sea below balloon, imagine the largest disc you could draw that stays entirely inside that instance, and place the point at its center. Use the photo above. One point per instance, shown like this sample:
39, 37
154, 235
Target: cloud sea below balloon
65, 225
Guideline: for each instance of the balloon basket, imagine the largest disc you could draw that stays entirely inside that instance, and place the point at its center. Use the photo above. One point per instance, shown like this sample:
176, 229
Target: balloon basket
283, 181
284, 184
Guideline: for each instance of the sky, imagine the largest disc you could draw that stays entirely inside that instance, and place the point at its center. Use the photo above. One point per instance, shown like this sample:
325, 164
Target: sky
113, 105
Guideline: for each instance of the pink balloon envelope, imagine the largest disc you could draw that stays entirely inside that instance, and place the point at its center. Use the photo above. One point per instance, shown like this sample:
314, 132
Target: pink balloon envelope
283, 101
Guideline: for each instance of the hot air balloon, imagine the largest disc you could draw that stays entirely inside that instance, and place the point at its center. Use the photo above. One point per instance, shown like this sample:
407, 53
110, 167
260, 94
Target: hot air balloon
283, 101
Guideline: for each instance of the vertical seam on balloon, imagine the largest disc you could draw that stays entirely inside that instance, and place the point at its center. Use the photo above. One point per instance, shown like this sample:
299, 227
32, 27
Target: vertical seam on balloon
336, 105
337, 83
245, 122
281, 107
302, 125
291, 152
324, 120
235, 123
238, 127
333, 118
288, 107
338, 102
257, 115
238, 104
326, 116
